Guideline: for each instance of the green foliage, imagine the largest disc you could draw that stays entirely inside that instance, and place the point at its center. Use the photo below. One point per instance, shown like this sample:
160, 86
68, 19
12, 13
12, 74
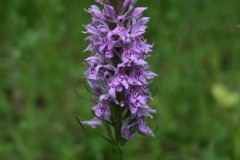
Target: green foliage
196, 56
225, 98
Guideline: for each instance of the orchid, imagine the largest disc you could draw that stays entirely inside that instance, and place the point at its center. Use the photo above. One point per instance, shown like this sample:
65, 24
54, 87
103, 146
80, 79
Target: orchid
118, 73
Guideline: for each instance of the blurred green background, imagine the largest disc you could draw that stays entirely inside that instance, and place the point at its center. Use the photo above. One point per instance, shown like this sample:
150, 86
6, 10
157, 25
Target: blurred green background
196, 55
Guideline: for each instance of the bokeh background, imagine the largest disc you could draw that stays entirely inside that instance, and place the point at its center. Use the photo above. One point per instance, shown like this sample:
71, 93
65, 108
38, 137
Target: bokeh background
197, 92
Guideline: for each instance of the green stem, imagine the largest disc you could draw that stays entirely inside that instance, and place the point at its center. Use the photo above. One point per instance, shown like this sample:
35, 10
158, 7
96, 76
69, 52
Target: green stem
118, 152
109, 132
118, 141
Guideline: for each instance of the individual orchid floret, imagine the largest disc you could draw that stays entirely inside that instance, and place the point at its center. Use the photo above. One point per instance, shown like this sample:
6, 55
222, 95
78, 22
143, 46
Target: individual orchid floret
127, 131
101, 110
144, 129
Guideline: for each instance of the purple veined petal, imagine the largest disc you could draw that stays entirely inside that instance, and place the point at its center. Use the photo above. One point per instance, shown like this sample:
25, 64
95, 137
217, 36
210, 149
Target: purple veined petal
147, 48
133, 108
145, 112
143, 100
123, 79
102, 110
140, 102
93, 123
94, 60
140, 46
144, 129
96, 40
108, 53
104, 97
137, 46
91, 30
127, 54
96, 12
140, 30
103, 29
138, 27
135, 94
104, 43
110, 11
138, 73
144, 20
137, 12
126, 133
137, 99
128, 3
112, 91
149, 75
110, 14
97, 22
133, 81
140, 62
92, 72
121, 32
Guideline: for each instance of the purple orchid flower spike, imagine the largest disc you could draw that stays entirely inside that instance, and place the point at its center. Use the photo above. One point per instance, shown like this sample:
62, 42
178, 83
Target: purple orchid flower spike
118, 72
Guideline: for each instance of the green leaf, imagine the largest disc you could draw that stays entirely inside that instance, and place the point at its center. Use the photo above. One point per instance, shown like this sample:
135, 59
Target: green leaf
225, 97
85, 129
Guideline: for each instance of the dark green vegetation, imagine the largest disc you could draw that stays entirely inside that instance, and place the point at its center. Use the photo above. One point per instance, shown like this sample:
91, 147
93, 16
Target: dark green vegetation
196, 55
